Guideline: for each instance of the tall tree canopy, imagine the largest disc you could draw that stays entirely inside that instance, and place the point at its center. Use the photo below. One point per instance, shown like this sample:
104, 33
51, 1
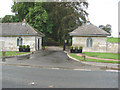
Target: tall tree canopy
34, 14
21, 9
107, 28
54, 19
10, 18
66, 16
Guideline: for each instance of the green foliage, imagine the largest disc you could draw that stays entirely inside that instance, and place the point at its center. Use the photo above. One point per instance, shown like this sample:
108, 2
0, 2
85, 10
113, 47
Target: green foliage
107, 28
10, 18
93, 60
66, 17
55, 20
21, 9
6, 19
28, 46
37, 17
13, 53
23, 46
71, 47
20, 46
113, 40
80, 47
103, 55
76, 47
0, 20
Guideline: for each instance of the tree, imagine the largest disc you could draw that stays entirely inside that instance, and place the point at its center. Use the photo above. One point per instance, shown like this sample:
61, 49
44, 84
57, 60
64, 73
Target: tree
6, 18
58, 18
66, 17
38, 18
35, 15
0, 20
21, 9
10, 18
107, 28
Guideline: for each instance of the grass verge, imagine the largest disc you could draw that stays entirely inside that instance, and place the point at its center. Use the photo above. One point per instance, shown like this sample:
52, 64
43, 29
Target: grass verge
113, 40
14, 53
92, 60
103, 55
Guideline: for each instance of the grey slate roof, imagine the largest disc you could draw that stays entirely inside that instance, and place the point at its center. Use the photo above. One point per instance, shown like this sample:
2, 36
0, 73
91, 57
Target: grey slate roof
17, 29
88, 30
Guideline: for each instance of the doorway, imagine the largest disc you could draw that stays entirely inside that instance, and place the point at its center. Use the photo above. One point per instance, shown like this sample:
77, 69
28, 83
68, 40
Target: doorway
38, 44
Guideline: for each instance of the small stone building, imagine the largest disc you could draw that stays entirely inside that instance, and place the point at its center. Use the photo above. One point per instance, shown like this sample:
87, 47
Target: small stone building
15, 34
92, 38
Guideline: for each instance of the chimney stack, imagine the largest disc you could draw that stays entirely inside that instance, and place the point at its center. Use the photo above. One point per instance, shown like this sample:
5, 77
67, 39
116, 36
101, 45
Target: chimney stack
88, 21
24, 22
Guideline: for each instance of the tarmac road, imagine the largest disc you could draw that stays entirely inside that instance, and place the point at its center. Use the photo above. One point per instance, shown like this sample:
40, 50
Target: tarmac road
22, 77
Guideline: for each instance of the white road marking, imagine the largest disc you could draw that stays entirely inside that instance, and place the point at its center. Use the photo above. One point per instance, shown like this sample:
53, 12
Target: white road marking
52, 86
112, 70
83, 69
54, 68
32, 83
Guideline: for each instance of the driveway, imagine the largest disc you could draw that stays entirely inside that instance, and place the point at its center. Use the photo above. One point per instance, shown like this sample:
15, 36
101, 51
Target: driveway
51, 57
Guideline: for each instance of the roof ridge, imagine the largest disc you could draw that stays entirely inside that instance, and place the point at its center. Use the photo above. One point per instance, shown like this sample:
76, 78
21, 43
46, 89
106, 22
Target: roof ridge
35, 30
31, 27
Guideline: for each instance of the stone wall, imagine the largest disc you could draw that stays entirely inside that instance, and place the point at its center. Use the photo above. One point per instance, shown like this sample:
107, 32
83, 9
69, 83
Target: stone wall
1, 45
99, 44
113, 47
10, 43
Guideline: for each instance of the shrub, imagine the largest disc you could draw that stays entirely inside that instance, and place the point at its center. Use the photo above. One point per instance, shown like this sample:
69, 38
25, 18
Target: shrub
80, 47
71, 47
28, 46
20, 46
24, 46
76, 47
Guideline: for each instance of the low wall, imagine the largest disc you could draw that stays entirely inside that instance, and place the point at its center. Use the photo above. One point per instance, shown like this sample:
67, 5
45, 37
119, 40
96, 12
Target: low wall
108, 48
113, 47
2, 43
10, 43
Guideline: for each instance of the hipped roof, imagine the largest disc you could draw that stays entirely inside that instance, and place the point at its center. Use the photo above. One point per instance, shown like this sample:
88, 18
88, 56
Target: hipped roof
18, 29
89, 30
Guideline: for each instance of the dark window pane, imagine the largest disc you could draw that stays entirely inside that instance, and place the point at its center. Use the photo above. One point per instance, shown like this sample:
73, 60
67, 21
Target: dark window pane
17, 42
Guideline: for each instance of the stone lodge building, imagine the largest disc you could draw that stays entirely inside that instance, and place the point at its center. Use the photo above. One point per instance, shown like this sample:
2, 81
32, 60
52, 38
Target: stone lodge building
92, 38
15, 34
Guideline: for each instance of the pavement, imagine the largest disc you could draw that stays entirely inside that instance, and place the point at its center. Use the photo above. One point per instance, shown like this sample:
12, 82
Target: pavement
54, 57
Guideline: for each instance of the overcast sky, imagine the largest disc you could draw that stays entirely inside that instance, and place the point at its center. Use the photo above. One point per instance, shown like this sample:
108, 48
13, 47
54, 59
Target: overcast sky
101, 12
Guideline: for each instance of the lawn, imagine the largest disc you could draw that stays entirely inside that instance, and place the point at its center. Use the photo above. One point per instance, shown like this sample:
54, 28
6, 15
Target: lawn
92, 60
103, 55
13, 53
113, 40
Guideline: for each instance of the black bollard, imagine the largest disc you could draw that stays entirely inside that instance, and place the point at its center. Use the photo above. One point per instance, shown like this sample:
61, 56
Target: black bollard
64, 45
